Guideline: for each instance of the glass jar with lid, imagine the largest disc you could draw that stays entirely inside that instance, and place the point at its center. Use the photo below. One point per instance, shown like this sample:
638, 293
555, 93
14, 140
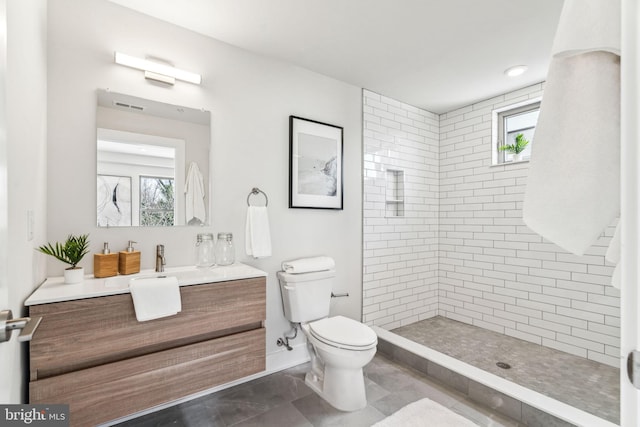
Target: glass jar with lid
205, 251
225, 252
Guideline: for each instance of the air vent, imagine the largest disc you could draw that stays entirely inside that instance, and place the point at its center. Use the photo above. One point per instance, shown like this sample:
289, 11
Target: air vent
128, 106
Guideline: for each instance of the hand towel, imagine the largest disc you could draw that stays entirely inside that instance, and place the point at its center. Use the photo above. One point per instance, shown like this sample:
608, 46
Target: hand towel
155, 297
308, 265
573, 185
194, 194
257, 235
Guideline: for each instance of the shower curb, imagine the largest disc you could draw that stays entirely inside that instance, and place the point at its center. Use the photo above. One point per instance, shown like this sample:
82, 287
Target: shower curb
531, 408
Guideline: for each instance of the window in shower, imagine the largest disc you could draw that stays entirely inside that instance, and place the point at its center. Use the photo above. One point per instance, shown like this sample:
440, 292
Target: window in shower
394, 193
512, 125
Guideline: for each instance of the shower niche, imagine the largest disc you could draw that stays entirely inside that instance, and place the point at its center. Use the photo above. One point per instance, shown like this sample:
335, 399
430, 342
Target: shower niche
394, 193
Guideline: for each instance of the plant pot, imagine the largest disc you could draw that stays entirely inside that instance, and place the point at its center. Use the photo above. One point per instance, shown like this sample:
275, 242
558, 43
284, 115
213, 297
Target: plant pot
517, 157
74, 275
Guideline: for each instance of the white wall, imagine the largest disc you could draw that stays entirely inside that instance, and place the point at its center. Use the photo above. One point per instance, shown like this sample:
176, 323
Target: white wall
400, 254
25, 185
250, 98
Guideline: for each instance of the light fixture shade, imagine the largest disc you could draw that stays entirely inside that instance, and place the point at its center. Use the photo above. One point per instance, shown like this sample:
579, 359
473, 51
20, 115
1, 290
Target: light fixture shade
156, 70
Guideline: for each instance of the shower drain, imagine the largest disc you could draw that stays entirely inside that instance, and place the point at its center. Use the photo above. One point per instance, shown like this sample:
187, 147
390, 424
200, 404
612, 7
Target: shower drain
503, 365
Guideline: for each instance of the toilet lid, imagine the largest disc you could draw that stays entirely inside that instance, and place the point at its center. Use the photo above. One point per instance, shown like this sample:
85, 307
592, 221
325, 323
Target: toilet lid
340, 331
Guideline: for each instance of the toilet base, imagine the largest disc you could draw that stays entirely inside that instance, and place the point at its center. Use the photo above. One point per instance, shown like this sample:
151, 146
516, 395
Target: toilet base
341, 388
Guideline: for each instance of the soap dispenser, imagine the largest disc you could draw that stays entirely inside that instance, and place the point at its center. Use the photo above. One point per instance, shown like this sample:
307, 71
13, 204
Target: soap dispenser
129, 260
105, 264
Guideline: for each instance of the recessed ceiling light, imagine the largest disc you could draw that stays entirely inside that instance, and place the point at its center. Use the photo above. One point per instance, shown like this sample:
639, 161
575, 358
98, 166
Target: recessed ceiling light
515, 71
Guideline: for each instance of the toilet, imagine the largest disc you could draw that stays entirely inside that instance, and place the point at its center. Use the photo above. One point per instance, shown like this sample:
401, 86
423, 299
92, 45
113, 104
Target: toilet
339, 347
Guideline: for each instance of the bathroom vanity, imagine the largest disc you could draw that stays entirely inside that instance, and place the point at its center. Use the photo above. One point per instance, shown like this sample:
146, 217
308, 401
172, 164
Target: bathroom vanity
90, 351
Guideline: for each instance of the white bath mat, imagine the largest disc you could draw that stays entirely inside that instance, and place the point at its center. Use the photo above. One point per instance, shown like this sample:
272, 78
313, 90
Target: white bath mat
423, 413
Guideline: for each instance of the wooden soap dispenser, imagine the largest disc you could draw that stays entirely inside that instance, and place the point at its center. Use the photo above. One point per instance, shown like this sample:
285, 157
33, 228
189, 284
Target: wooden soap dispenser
106, 263
129, 260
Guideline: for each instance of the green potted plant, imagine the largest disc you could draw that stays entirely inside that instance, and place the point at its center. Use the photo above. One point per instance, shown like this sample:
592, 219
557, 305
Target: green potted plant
517, 148
71, 252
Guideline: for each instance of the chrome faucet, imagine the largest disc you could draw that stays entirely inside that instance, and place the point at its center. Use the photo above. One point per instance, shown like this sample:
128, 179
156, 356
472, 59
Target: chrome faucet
160, 261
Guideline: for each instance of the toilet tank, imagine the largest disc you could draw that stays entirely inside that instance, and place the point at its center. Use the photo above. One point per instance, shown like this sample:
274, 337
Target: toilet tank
306, 296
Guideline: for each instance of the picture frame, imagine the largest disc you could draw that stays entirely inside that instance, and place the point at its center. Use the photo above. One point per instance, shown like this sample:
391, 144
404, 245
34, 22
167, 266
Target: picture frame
113, 201
315, 164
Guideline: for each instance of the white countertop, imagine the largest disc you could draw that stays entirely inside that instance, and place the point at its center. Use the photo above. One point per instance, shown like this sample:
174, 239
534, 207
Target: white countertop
55, 290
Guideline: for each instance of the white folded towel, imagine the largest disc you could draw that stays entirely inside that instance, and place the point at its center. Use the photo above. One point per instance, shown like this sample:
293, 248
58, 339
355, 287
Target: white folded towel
572, 191
155, 297
257, 235
308, 265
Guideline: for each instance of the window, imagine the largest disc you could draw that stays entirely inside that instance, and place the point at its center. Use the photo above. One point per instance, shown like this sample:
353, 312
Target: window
508, 123
156, 201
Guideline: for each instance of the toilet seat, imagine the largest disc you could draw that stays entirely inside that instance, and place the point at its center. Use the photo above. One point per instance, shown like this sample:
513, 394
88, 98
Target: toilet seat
342, 332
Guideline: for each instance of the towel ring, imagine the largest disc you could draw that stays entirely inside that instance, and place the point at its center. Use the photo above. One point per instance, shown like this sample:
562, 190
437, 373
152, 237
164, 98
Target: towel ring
256, 190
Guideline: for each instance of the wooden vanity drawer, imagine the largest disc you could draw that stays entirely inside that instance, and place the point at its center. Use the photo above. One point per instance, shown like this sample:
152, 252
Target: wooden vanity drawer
117, 389
84, 333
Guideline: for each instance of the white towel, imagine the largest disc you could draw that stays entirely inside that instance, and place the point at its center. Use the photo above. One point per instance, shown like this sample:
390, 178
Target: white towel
425, 412
572, 190
194, 194
257, 235
155, 297
308, 265
588, 26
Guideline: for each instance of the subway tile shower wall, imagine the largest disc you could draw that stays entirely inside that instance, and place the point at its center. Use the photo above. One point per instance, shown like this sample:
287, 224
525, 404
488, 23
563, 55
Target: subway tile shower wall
462, 250
400, 252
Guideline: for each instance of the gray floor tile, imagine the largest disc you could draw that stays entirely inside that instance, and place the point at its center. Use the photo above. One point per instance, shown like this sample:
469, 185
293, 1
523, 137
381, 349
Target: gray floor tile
283, 400
495, 400
285, 415
190, 414
483, 416
449, 377
395, 401
579, 382
245, 401
321, 414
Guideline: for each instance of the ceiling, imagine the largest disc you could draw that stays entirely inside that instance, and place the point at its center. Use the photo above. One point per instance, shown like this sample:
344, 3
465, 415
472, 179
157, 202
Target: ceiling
436, 55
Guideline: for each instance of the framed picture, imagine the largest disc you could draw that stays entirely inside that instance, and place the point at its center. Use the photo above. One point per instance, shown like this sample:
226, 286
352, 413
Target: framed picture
114, 201
315, 164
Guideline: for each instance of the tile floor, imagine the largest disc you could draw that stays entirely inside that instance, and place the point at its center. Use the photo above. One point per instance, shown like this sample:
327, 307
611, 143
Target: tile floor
283, 400
584, 384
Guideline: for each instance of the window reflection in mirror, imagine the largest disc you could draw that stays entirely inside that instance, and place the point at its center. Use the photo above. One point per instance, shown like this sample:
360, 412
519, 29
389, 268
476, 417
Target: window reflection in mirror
144, 150
157, 203
127, 193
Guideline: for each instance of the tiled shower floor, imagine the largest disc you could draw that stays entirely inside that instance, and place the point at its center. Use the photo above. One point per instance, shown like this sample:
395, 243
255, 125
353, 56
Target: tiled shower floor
584, 384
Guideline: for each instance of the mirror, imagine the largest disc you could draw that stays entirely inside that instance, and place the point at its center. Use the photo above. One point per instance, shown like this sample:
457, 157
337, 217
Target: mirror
152, 163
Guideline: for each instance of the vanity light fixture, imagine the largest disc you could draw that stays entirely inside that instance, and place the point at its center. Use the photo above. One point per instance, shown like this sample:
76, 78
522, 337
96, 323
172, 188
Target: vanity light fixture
515, 70
158, 71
